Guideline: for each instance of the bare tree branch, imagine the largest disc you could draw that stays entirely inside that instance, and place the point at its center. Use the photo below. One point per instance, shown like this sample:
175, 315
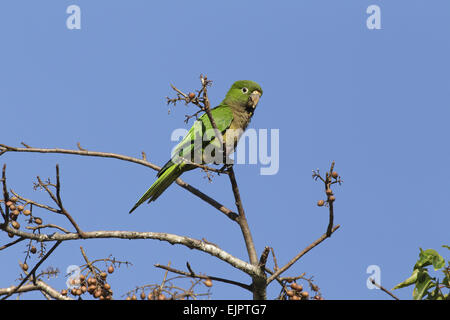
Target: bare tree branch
242, 220
58, 201
205, 277
38, 286
170, 238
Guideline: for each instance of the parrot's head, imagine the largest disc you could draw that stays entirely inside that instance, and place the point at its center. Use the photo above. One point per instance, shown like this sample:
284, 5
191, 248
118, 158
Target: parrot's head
244, 94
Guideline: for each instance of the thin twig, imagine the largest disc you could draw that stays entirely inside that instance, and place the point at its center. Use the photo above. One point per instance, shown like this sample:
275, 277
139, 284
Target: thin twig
229, 213
383, 289
50, 225
40, 205
165, 277
63, 210
88, 263
330, 202
79, 147
301, 254
204, 167
275, 268
11, 243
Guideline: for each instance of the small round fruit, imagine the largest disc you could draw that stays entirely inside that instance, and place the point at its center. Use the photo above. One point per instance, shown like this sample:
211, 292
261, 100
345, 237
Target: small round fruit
15, 213
74, 291
150, 296
15, 225
20, 208
320, 203
64, 292
133, 297
296, 286
332, 198
38, 220
82, 277
290, 293
25, 267
316, 297
191, 95
329, 192
107, 286
33, 249
103, 275
26, 212
97, 293
110, 269
334, 174
12, 207
208, 283
91, 289
83, 289
11, 235
143, 295
305, 294
9, 203
161, 297
14, 199
295, 297
79, 292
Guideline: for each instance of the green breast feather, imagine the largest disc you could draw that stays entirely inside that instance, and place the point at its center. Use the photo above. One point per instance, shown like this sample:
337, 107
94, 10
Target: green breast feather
203, 130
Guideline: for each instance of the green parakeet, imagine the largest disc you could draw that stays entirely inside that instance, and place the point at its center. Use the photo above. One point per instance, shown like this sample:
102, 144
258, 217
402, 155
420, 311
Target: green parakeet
231, 116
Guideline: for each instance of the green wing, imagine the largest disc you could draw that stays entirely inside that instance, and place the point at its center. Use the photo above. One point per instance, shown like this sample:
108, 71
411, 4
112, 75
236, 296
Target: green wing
187, 148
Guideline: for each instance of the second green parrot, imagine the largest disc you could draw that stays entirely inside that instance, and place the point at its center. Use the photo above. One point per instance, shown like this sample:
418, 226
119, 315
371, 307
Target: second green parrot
231, 116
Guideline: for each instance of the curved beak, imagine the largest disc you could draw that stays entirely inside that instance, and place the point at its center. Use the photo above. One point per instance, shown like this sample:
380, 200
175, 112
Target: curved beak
254, 98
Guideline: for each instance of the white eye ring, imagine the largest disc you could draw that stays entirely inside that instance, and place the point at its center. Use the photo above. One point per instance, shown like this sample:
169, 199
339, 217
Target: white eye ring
244, 90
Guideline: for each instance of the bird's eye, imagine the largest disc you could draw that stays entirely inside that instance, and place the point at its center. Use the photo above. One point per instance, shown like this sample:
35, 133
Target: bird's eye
244, 90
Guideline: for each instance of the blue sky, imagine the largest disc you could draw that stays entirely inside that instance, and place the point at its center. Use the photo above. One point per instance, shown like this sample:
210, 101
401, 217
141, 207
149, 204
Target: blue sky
375, 101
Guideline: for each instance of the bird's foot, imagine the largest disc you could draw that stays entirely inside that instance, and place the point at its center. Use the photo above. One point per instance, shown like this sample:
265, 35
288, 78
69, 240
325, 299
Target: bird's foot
225, 167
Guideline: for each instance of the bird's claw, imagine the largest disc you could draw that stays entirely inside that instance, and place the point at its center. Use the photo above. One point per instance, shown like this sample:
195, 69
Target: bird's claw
225, 167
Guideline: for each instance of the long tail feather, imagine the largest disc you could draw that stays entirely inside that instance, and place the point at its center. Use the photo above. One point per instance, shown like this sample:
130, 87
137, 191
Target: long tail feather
161, 184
